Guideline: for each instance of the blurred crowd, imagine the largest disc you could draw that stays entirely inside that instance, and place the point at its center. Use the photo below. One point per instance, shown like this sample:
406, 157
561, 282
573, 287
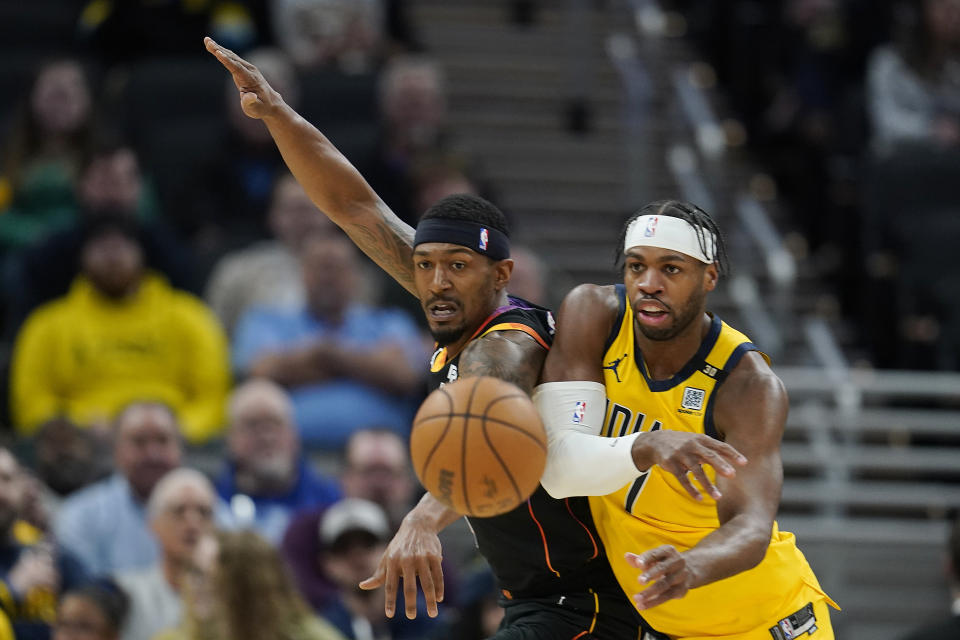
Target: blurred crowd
854, 107
207, 390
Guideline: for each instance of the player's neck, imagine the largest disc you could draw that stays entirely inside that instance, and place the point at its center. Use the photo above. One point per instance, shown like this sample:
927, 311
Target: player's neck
664, 358
456, 347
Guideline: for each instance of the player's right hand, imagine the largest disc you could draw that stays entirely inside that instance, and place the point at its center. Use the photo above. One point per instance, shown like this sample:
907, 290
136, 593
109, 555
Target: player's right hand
683, 453
413, 553
257, 97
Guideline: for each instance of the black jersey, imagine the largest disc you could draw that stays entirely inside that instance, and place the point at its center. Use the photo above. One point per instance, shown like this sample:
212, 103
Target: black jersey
545, 545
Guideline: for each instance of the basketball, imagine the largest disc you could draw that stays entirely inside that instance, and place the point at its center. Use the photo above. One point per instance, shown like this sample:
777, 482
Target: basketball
478, 446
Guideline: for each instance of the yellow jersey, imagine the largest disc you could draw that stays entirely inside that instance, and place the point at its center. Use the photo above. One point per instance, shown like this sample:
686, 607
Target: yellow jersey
655, 509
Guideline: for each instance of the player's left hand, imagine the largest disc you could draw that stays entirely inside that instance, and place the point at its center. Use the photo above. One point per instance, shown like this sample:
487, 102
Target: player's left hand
667, 570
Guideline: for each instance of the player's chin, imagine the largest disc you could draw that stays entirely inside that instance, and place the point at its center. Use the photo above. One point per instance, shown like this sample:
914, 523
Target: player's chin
661, 329
445, 332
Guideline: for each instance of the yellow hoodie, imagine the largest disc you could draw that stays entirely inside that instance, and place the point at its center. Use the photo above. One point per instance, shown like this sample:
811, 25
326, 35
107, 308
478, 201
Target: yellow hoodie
86, 356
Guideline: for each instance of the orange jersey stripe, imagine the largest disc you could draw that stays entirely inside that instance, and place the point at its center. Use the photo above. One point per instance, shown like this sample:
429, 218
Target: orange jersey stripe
516, 326
543, 536
596, 551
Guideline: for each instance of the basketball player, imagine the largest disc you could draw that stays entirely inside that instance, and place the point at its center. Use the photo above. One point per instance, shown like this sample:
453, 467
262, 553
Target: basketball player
546, 554
717, 567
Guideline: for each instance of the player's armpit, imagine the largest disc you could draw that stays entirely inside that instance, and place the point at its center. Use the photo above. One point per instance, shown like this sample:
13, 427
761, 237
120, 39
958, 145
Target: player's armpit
513, 356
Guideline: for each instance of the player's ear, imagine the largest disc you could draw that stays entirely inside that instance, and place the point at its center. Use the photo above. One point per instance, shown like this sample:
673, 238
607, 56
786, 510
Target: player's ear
503, 269
710, 277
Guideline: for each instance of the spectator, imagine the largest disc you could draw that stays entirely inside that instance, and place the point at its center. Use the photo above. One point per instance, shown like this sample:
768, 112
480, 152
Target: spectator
268, 273
348, 366
68, 458
528, 278
266, 479
222, 207
414, 106
50, 142
947, 628
120, 334
123, 31
242, 592
353, 536
377, 468
914, 86
110, 183
348, 34
180, 511
95, 611
105, 524
413, 114
33, 573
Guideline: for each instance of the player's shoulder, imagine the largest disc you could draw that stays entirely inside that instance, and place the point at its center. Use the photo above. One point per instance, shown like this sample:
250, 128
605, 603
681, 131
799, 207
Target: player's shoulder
593, 298
592, 308
753, 377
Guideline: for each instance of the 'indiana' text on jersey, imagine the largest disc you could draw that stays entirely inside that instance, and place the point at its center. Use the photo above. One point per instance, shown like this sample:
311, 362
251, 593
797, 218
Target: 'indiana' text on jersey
656, 510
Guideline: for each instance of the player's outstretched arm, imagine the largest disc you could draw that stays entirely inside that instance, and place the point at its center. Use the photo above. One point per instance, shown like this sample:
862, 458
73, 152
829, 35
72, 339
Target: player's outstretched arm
334, 185
750, 413
414, 552
572, 402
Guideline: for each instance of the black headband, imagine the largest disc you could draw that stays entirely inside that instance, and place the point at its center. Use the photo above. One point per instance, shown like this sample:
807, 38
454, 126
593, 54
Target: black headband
484, 240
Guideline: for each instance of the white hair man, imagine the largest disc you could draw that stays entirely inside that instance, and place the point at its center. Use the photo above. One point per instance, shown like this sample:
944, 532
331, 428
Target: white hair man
180, 512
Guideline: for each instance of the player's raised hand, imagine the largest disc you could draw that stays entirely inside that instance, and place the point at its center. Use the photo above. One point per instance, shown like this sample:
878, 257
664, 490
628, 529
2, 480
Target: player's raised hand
413, 553
665, 570
685, 453
257, 97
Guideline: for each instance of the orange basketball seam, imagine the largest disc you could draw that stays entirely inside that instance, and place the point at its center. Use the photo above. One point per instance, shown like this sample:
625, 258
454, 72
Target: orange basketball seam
478, 416
463, 448
436, 445
496, 454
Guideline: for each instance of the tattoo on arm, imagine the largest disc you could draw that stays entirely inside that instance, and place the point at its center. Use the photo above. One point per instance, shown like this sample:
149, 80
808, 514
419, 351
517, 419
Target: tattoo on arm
509, 355
389, 242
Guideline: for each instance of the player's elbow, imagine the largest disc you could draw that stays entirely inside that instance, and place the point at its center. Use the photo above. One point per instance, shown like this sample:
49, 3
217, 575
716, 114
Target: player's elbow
554, 481
756, 541
556, 489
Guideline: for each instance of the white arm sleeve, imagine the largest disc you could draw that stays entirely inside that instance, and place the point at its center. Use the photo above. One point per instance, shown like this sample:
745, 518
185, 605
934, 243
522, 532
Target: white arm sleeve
580, 462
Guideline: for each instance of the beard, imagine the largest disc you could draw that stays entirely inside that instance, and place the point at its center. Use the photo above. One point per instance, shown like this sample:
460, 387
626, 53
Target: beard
447, 335
683, 317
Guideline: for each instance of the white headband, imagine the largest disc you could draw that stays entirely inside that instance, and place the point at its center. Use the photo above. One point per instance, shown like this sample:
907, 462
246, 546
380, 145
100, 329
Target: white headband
668, 232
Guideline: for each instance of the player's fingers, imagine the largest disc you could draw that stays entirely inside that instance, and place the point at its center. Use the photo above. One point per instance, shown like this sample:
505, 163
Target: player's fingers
428, 587
716, 460
651, 597
222, 54
634, 560
436, 569
374, 581
687, 485
410, 590
390, 589
704, 481
727, 452
647, 560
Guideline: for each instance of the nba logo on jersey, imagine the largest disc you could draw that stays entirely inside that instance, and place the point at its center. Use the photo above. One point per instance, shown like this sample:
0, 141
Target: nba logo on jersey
651, 229
579, 410
803, 622
484, 239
